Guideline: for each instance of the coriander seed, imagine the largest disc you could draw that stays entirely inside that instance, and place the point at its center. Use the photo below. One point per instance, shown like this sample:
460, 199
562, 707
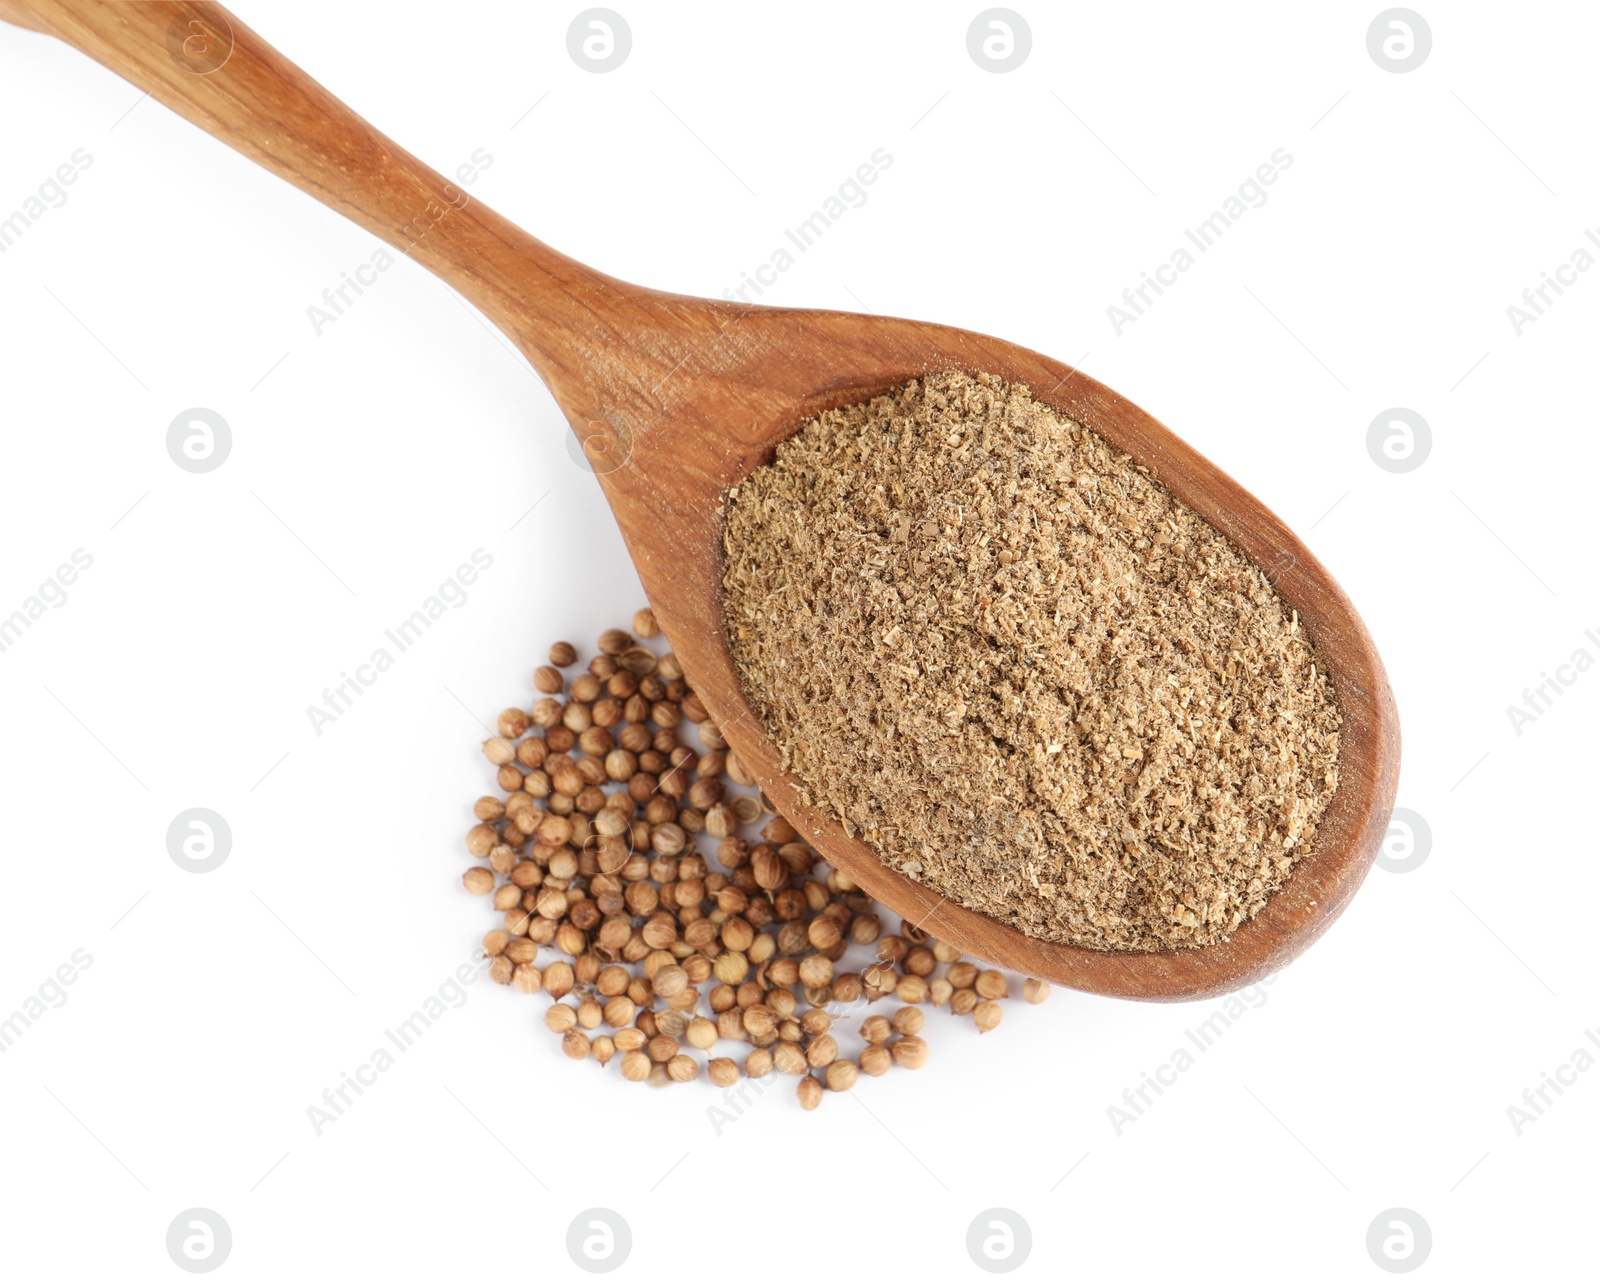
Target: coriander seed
822, 1051
669, 981
879, 980
759, 1021
876, 1060
848, 989
912, 989
815, 971
907, 1020
788, 1058
962, 974
558, 979
909, 1052
865, 928
731, 967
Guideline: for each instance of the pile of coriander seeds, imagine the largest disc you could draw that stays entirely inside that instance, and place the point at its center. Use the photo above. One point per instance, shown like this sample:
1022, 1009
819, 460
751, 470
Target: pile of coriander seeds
595, 855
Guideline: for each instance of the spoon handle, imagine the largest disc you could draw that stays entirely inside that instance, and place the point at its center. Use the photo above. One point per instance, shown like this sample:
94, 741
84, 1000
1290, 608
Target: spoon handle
203, 63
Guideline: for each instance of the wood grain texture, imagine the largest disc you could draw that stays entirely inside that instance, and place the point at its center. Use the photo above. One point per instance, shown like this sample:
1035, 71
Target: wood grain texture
675, 399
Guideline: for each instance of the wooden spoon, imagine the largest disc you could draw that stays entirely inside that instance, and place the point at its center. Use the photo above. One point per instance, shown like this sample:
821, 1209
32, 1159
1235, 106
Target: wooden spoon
674, 399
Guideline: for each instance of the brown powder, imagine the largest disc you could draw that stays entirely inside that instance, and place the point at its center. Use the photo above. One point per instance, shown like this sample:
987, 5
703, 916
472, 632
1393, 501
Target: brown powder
1007, 658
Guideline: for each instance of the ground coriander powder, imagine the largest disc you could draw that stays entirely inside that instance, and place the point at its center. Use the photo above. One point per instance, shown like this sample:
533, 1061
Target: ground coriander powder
1013, 663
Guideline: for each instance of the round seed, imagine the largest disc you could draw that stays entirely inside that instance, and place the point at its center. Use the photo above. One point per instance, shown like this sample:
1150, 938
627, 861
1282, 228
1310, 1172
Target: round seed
876, 1060
788, 1058
670, 981
822, 1051
907, 1021
909, 1052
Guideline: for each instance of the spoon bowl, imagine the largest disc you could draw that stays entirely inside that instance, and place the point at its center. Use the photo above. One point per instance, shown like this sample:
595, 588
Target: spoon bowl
738, 403
675, 399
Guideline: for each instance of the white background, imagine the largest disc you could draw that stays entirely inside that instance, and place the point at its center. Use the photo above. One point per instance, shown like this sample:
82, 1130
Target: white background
369, 461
